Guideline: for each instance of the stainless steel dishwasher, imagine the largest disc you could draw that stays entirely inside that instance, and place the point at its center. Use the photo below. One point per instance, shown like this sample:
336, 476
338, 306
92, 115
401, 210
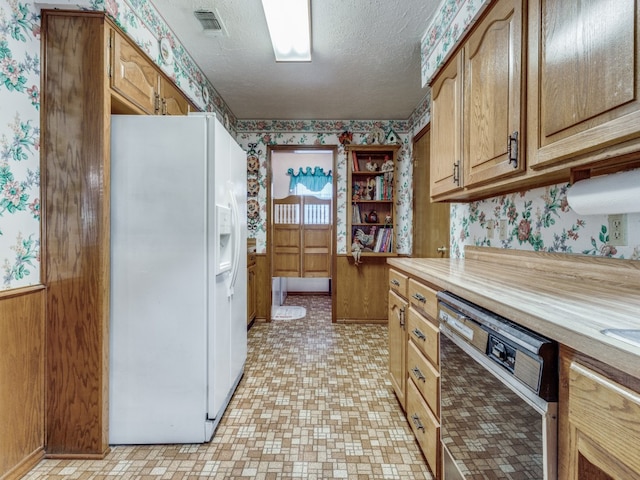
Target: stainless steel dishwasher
499, 388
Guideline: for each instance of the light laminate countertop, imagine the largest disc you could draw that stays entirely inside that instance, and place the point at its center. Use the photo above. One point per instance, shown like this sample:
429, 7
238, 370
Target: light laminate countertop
570, 299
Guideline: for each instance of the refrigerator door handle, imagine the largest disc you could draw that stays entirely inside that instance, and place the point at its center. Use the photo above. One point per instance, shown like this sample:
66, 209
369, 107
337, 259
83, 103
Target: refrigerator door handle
236, 237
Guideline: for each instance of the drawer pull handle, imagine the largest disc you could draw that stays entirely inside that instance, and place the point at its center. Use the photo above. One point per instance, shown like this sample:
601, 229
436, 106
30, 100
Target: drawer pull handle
420, 297
416, 371
419, 334
395, 283
417, 422
401, 316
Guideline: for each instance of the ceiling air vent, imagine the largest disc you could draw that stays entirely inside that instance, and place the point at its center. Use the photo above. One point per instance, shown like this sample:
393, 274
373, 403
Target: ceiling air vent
210, 22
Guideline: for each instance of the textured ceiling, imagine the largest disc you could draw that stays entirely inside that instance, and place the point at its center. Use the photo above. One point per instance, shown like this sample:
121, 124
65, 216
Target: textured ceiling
365, 58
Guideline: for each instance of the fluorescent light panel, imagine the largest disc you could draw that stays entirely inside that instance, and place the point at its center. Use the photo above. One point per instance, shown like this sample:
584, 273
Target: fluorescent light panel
290, 29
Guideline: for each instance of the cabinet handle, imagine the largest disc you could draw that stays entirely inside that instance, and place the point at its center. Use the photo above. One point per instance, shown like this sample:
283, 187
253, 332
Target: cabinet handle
401, 317
512, 149
417, 422
419, 334
442, 249
156, 103
395, 283
420, 297
456, 173
164, 106
416, 371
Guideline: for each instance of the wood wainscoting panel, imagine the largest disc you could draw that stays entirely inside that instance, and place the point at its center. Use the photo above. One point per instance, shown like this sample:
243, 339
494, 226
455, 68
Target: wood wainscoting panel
76, 185
21, 380
361, 292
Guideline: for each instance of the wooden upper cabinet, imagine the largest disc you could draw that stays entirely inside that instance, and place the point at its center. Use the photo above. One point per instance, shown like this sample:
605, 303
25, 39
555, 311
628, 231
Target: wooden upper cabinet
494, 121
584, 85
172, 102
133, 76
446, 129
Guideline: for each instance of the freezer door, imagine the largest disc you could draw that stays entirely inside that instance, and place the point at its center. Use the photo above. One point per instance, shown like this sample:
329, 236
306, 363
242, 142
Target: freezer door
158, 280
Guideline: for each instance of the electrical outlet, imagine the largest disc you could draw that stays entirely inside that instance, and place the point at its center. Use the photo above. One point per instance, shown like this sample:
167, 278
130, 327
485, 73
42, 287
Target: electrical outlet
617, 229
490, 228
503, 229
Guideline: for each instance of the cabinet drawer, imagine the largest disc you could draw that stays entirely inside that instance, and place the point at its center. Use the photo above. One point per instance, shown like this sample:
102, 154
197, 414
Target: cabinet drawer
425, 377
398, 282
423, 298
425, 336
425, 427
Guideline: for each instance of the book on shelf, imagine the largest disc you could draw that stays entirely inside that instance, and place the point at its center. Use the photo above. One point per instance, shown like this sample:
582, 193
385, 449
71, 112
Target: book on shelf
384, 240
354, 157
379, 240
357, 217
387, 240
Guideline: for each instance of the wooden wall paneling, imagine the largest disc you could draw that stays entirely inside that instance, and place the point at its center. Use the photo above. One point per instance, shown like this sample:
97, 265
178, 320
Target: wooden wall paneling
361, 293
21, 380
263, 287
75, 153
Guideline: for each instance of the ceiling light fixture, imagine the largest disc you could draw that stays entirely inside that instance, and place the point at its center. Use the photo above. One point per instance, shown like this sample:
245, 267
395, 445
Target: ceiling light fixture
289, 23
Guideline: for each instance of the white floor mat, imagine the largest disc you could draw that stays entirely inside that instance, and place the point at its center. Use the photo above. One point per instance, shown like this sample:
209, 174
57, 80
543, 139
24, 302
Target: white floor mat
287, 313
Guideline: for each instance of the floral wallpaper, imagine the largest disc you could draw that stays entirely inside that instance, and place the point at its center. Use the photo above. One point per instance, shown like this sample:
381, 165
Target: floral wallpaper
19, 145
451, 22
540, 220
537, 219
256, 135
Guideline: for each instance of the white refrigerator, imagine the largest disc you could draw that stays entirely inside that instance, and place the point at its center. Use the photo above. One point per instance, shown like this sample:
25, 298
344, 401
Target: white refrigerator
178, 327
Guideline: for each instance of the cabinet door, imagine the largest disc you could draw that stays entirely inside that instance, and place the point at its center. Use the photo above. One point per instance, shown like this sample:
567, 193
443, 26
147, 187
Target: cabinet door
133, 76
252, 302
583, 78
446, 129
398, 346
493, 85
600, 435
172, 101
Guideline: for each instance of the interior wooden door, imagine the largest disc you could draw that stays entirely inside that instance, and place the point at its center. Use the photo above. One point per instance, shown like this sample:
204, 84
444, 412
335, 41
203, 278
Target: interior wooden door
316, 238
302, 237
430, 220
286, 237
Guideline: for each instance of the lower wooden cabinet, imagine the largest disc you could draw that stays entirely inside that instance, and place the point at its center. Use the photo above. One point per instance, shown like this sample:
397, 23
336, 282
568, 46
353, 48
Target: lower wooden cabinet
398, 345
414, 360
599, 422
252, 293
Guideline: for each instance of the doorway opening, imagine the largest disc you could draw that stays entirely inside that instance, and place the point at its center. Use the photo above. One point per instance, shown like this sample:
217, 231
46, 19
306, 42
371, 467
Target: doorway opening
301, 192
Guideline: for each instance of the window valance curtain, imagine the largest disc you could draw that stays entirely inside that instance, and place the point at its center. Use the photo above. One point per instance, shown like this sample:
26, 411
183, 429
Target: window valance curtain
314, 180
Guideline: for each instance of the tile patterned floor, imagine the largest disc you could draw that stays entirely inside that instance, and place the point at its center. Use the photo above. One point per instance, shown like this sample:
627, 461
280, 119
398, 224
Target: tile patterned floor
314, 403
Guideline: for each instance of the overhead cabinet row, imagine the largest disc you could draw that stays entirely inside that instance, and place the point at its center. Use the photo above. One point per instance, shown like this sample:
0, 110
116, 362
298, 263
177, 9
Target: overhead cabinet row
536, 89
136, 81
